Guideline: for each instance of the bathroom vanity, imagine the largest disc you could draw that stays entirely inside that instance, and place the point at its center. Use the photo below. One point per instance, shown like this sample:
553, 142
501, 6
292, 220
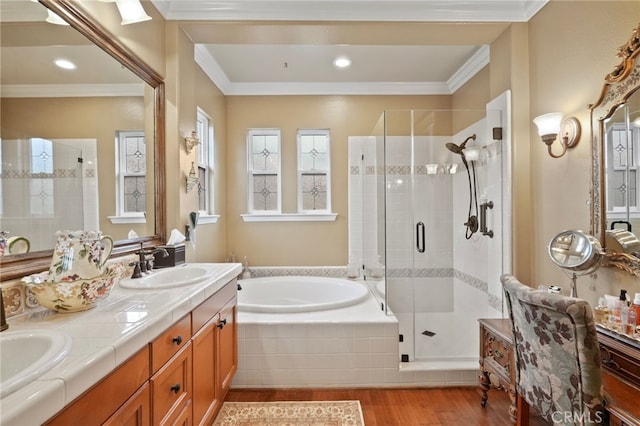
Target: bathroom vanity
165, 356
620, 369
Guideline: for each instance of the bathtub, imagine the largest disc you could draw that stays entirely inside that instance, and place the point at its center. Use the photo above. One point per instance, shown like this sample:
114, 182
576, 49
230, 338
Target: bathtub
290, 294
298, 331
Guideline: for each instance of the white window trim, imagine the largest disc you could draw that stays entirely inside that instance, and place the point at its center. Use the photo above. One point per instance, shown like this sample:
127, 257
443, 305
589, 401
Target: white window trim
122, 217
252, 212
290, 217
303, 132
208, 216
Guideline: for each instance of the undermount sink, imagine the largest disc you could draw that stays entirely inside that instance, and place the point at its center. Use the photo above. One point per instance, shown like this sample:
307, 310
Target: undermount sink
26, 355
175, 277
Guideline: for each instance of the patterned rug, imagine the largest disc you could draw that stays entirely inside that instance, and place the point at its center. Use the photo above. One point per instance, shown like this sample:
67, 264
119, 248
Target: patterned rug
291, 413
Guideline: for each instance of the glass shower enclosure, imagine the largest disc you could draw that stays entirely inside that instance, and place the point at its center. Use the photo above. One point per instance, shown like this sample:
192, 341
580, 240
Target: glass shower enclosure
427, 198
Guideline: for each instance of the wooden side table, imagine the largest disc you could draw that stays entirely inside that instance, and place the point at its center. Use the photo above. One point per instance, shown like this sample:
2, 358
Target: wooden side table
497, 362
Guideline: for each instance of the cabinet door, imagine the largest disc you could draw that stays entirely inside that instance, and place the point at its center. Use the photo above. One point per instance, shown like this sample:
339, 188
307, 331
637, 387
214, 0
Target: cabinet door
205, 391
228, 345
171, 387
134, 412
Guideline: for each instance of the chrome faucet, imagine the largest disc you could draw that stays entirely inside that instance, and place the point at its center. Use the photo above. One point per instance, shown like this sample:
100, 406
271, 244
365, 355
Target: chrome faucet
3, 318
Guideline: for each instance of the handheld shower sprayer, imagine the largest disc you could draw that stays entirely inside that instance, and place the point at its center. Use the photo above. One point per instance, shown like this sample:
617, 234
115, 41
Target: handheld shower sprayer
472, 220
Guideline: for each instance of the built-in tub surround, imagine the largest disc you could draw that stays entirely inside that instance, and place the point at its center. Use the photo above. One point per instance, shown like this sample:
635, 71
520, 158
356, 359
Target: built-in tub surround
352, 346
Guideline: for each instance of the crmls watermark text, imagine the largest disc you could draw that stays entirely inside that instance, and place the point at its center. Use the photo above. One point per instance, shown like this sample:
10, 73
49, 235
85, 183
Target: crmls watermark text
579, 418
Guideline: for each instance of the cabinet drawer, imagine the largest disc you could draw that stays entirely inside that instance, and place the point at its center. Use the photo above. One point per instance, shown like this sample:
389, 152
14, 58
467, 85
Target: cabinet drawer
207, 309
496, 350
171, 387
619, 360
93, 408
171, 341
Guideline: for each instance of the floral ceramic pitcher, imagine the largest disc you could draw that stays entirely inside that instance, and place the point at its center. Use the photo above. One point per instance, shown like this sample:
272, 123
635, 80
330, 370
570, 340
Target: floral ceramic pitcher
79, 255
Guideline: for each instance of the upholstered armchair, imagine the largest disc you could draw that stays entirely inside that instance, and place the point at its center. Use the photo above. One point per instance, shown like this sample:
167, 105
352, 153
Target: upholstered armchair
557, 356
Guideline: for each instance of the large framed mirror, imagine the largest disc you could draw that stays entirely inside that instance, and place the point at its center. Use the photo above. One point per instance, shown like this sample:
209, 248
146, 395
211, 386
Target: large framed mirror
81, 150
615, 121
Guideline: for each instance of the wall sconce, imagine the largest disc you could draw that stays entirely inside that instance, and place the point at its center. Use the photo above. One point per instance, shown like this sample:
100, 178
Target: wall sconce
550, 125
192, 178
191, 142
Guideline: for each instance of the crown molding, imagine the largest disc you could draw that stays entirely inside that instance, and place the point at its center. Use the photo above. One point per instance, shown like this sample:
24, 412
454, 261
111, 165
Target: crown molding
70, 90
351, 10
474, 64
213, 70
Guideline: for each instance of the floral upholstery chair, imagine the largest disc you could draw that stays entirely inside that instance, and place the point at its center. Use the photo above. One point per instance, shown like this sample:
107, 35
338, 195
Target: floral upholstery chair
556, 354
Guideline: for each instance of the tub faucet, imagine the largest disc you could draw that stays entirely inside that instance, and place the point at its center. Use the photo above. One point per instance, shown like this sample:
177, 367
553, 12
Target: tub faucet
3, 318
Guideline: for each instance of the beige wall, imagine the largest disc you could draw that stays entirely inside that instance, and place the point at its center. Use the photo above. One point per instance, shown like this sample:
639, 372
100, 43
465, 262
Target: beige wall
569, 58
300, 243
555, 62
82, 118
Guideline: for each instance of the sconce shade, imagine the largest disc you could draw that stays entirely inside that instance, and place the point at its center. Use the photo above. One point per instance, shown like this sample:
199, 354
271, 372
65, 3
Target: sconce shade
548, 124
131, 11
472, 153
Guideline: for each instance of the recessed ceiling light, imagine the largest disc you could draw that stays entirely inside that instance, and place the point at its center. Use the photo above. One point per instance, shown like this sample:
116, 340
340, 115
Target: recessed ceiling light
342, 62
63, 63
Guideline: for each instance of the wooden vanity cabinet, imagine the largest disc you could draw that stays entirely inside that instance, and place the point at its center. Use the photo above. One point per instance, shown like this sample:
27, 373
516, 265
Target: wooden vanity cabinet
180, 378
214, 355
135, 412
105, 401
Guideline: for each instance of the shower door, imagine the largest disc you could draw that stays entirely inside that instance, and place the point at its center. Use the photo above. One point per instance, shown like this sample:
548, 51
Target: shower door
436, 295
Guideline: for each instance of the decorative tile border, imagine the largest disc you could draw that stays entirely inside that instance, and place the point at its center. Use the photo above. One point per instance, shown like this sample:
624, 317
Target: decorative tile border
57, 173
313, 271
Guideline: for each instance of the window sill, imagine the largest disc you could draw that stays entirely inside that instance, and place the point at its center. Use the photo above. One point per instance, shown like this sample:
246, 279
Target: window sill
290, 217
118, 220
207, 219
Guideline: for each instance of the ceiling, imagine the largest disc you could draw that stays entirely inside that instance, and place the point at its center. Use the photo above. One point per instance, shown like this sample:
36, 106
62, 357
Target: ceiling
287, 47
259, 47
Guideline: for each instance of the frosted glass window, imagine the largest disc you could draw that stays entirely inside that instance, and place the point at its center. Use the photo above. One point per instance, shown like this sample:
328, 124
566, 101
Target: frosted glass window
263, 148
131, 169
41, 186
134, 193
314, 171
205, 150
41, 156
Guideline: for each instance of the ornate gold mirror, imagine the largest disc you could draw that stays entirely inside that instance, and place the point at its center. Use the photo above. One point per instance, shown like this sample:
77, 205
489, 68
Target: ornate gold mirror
615, 121
149, 101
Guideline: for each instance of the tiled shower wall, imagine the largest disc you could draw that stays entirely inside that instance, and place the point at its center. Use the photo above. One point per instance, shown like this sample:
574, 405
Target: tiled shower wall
455, 281
36, 204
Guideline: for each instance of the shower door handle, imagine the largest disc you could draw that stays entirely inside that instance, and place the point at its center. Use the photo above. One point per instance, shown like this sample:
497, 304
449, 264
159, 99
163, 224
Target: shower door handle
420, 237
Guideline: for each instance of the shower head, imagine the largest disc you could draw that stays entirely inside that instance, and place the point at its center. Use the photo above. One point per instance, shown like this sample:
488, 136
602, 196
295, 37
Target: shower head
457, 149
454, 148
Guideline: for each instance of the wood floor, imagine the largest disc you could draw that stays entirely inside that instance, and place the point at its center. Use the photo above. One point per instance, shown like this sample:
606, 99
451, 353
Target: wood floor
403, 407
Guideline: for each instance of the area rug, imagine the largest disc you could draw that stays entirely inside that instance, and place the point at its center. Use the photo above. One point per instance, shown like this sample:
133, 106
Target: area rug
291, 413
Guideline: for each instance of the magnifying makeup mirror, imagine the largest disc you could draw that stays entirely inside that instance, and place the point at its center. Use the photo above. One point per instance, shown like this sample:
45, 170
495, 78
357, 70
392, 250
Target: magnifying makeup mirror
576, 253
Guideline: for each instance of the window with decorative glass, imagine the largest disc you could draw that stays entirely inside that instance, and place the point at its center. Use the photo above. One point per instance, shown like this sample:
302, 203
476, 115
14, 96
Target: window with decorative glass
41, 184
205, 150
314, 171
263, 148
131, 169
622, 178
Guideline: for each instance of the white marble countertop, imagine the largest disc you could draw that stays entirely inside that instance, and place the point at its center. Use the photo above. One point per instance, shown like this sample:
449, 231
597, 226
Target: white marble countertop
102, 339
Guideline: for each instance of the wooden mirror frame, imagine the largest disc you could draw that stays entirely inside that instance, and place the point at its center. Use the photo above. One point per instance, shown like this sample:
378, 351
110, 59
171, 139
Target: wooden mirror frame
619, 85
21, 265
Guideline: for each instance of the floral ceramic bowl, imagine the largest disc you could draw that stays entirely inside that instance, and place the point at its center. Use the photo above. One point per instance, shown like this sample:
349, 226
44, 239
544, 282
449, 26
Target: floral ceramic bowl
72, 295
